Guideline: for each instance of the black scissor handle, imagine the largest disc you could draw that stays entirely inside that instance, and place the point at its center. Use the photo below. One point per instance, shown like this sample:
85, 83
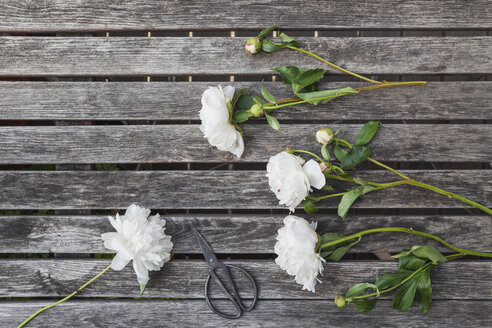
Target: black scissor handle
233, 295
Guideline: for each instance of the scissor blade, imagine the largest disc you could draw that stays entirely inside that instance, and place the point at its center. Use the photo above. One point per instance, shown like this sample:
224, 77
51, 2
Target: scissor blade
209, 255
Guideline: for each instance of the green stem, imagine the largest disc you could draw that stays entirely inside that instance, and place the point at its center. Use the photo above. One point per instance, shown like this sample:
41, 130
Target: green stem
412, 182
448, 257
333, 65
310, 153
408, 231
64, 299
385, 84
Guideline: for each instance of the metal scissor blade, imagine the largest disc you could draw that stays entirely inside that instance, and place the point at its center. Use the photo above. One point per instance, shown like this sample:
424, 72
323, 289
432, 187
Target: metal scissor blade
209, 255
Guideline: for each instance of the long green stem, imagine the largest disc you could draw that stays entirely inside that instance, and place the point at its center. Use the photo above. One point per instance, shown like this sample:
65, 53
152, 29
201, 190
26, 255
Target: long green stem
333, 65
425, 266
408, 231
410, 181
64, 299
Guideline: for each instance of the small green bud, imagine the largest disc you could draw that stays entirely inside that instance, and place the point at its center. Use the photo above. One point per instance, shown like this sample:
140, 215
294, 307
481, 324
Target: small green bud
289, 150
325, 167
252, 46
256, 110
340, 301
325, 136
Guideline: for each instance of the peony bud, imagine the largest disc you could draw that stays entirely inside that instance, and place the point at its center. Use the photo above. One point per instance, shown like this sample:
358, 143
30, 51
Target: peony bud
324, 166
253, 46
290, 150
324, 136
256, 110
340, 301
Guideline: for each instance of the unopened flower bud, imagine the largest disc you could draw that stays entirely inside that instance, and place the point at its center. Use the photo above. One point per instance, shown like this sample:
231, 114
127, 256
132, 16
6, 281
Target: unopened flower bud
340, 301
256, 110
324, 136
252, 46
324, 166
289, 150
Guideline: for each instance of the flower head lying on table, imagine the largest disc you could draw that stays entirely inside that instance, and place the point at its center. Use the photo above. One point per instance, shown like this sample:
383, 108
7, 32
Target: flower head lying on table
138, 239
302, 251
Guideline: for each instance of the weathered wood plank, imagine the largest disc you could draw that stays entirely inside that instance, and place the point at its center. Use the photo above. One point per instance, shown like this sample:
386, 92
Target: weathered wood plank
82, 56
172, 101
185, 143
216, 190
233, 234
267, 313
186, 278
90, 15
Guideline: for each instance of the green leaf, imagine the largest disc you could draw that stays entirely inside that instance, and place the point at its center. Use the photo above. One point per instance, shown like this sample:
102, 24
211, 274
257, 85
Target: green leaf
240, 116
403, 298
359, 289
424, 290
267, 95
350, 197
268, 46
427, 252
364, 306
411, 262
325, 153
307, 78
338, 253
355, 156
330, 236
327, 188
390, 279
287, 39
142, 288
327, 94
367, 132
265, 31
308, 206
288, 73
238, 94
244, 102
272, 121
340, 152
258, 100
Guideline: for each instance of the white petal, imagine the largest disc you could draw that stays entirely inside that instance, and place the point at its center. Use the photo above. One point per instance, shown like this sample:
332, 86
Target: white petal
141, 271
314, 174
119, 262
229, 92
239, 147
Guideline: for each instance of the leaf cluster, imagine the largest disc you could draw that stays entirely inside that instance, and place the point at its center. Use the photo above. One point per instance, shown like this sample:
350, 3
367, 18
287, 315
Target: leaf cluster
412, 279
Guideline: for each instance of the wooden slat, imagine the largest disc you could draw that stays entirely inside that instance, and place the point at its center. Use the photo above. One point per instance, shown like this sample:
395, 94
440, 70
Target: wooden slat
267, 313
186, 278
215, 190
68, 56
233, 234
89, 15
185, 143
172, 101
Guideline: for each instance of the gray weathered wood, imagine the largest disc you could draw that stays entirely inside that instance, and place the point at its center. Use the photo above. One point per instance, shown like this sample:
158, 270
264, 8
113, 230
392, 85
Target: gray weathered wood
90, 15
68, 56
233, 234
186, 143
216, 190
267, 313
180, 101
186, 278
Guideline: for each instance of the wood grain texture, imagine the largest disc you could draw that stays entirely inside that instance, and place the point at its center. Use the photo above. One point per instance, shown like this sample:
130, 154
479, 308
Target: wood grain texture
139, 56
216, 190
89, 15
186, 279
180, 101
186, 143
267, 313
233, 234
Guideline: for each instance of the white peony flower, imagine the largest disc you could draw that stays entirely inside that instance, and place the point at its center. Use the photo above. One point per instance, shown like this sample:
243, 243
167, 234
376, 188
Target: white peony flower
139, 239
290, 180
295, 247
215, 120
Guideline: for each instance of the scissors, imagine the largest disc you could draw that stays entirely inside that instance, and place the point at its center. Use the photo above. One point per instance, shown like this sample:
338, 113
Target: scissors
232, 292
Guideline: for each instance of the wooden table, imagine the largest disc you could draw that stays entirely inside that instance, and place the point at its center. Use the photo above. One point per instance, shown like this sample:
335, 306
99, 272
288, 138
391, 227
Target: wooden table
75, 95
